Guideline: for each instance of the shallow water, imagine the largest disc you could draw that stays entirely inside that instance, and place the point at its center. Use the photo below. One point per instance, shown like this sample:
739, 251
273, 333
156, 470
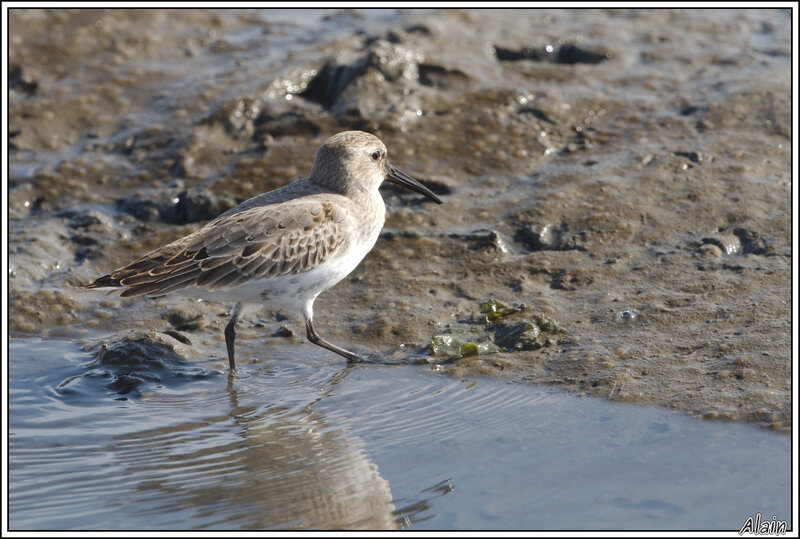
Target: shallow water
301, 440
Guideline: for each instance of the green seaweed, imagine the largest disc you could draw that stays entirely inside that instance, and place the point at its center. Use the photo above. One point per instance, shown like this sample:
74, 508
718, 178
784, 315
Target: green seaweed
478, 349
498, 328
442, 345
496, 310
454, 345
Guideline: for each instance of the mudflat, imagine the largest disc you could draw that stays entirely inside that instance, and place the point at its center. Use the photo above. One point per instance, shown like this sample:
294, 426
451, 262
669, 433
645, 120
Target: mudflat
622, 173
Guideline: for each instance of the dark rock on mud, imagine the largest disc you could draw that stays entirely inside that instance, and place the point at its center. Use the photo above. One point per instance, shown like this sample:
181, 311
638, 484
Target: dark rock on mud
694, 157
84, 218
565, 54
290, 123
130, 365
357, 89
17, 80
177, 205
186, 318
236, 117
483, 239
441, 77
753, 242
549, 237
508, 54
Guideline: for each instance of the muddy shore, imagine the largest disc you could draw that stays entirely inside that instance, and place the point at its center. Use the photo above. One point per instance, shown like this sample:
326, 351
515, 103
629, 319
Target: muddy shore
624, 173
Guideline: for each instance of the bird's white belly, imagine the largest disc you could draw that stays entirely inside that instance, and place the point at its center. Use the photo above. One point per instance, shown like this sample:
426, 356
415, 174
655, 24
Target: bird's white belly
292, 292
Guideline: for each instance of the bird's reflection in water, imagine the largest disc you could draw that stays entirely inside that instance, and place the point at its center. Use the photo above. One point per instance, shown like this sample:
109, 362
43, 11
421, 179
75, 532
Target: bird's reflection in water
259, 467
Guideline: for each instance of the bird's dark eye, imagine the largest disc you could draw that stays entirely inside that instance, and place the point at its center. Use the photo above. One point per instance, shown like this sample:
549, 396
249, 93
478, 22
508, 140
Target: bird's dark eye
376, 155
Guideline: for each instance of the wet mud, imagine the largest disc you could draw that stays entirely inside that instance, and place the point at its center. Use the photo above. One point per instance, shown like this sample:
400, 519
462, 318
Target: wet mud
624, 174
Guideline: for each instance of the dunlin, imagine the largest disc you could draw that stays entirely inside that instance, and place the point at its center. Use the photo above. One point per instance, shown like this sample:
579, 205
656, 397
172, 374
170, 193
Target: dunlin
283, 248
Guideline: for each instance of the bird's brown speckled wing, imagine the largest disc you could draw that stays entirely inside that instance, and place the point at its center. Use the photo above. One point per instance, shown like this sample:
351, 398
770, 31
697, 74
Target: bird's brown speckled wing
266, 241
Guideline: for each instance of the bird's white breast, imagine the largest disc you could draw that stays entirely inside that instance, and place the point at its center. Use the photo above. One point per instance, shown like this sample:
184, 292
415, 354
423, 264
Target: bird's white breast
293, 292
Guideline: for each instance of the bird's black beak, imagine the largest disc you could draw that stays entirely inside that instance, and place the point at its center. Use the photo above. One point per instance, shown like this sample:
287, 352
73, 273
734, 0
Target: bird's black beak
401, 178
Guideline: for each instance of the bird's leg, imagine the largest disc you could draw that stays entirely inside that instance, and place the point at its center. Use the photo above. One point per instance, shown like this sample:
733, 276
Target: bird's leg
230, 335
314, 337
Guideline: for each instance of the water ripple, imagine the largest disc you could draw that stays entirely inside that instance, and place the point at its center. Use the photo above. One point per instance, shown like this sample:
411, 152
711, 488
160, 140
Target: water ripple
308, 441
413, 408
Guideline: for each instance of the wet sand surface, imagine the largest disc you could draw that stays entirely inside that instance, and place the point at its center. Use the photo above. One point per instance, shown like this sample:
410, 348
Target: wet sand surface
624, 173
616, 223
